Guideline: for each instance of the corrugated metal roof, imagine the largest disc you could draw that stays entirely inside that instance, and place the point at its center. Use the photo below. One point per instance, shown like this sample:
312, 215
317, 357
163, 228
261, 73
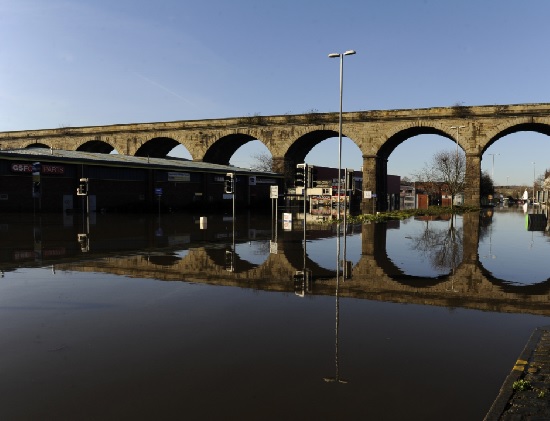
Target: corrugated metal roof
122, 160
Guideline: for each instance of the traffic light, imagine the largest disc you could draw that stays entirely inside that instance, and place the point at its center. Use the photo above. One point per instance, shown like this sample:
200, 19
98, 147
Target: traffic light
350, 185
82, 189
229, 183
300, 175
312, 176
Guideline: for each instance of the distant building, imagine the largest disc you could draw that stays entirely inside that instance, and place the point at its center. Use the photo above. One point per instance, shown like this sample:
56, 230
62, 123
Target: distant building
421, 195
322, 197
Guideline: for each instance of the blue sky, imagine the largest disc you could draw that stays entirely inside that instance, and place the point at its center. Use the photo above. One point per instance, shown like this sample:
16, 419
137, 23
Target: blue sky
97, 62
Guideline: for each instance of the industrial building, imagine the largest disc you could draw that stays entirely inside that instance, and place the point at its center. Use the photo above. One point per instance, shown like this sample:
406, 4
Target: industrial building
49, 180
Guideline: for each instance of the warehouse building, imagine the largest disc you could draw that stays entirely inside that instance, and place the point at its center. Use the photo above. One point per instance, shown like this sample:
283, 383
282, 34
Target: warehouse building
48, 180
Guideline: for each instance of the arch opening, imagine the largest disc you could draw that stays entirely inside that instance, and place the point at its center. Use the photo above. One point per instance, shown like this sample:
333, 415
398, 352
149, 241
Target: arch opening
325, 154
254, 155
223, 149
158, 147
517, 156
403, 150
96, 146
37, 145
179, 152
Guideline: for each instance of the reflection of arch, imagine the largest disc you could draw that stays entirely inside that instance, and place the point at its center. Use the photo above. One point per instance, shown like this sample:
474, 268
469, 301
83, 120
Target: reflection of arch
294, 253
164, 259
96, 146
383, 261
291, 250
541, 288
157, 147
224, 148
374, 245
218, 257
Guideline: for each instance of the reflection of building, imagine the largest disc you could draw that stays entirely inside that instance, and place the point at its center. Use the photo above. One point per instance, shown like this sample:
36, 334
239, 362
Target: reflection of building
122, 182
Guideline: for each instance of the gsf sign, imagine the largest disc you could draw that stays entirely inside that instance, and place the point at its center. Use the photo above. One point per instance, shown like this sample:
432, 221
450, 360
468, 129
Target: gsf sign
44, 169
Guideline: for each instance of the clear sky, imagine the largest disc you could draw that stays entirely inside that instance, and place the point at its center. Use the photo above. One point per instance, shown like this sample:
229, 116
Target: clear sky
97, 62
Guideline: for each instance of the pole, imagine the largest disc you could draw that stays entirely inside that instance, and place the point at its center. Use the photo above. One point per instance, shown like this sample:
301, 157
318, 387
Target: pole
341, 56
533, 183
304, 190
456, 158
340, 137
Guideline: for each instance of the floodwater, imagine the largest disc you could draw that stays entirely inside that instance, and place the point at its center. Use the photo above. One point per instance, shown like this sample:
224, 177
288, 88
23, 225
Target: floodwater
118, 317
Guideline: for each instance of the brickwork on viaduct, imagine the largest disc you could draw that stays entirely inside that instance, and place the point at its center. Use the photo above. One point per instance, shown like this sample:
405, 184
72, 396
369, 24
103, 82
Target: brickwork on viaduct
289, 138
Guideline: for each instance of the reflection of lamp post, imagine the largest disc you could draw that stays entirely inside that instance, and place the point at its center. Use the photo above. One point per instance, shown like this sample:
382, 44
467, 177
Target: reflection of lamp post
336, 378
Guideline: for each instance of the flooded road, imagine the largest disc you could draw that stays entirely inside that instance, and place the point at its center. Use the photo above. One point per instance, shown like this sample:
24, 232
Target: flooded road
161, 319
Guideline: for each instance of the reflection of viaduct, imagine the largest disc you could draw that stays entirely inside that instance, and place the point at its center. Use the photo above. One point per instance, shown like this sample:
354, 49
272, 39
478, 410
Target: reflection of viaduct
289, 138
374, 276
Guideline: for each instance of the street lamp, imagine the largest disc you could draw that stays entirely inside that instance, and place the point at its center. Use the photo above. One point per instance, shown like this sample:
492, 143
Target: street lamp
533, 183
341, 56
493, 168
457, 134
456, 159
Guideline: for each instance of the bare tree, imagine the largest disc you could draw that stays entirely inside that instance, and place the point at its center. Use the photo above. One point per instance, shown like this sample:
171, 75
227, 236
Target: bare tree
450, 167
263, 162
447, 168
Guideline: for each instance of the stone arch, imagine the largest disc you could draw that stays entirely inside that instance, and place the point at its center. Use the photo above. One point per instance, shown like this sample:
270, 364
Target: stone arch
96, 146
525, 124
404, 132
221, 150
157, 147
37, 145
224, 148
300, 147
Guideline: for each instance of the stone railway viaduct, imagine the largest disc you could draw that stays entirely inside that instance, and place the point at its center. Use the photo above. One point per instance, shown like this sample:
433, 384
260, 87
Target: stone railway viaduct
289, 138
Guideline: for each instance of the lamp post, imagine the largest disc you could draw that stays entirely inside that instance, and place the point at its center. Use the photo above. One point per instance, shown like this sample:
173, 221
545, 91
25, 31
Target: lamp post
493, 171
456, 161
457, 134
341, 56
493, 168
533, 183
